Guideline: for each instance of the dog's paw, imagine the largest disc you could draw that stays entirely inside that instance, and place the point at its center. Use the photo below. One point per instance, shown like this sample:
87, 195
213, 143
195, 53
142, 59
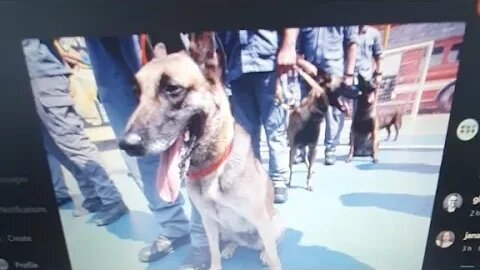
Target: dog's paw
229, 250
375, 160
309, 188
264, 257
348, 160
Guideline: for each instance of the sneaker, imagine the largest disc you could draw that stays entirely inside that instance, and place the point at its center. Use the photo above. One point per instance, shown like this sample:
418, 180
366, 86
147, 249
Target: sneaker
197, 259
63, 201
330, 157
161, 247
280, 191
110, 213
90, 205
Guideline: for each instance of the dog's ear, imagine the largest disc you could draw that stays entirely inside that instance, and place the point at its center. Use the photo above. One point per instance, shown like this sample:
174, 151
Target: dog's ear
365, 85
361, 80
322, 77
202, 49
328, 81
159, 51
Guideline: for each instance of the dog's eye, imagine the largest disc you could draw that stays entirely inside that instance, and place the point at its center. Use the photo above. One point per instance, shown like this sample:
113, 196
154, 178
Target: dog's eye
172, 89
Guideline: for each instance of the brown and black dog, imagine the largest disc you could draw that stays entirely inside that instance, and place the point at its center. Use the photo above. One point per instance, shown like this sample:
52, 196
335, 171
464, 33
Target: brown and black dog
182, 93
367, 122
304, 121
387, 119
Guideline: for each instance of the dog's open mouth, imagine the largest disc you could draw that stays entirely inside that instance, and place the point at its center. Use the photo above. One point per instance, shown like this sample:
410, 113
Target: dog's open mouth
173, 165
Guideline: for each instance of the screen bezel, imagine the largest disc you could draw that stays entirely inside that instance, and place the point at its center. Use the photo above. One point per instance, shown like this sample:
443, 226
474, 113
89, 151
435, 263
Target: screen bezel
24, 154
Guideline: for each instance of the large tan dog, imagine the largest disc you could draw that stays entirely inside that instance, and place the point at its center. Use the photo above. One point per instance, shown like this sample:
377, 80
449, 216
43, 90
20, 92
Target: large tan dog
182, 94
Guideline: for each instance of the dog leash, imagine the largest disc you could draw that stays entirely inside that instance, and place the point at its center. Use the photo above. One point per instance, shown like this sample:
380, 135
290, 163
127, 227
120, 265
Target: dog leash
285, 96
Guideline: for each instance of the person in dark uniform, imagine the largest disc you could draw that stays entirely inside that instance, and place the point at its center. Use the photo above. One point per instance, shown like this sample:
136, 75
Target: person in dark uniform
251, 75
63, 133
370, 54
332, 49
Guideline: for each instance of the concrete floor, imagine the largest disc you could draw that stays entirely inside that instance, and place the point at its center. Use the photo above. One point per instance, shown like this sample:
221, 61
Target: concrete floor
360, 215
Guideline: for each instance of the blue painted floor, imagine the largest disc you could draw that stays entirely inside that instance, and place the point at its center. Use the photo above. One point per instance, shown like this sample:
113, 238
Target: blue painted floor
359, 216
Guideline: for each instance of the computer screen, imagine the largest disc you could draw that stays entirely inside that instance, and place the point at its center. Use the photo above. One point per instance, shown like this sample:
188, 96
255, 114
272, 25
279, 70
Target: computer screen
301, 146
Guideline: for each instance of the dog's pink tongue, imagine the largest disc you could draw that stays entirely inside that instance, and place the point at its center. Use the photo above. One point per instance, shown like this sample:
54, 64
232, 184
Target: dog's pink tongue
168, 182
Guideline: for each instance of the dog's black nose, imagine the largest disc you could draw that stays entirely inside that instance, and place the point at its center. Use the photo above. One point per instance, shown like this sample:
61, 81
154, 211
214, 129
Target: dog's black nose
132, 139
132, 143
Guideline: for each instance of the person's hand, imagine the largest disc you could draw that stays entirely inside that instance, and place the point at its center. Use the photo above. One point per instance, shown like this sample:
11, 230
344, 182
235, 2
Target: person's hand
72, 57
286, 60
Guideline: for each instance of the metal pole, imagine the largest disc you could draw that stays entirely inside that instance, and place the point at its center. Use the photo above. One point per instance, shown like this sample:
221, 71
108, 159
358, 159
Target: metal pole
386, 36
423, 78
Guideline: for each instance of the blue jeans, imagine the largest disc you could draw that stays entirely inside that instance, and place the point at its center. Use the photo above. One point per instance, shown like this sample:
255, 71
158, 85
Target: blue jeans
334, 121
114, 62
253, 105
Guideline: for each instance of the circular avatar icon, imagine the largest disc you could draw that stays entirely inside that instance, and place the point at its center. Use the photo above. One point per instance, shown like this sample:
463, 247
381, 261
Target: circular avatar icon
452, 202
3, 264
467, 129
445, 239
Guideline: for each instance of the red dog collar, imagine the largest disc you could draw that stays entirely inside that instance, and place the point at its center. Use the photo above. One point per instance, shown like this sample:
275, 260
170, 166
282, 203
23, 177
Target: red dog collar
199, 174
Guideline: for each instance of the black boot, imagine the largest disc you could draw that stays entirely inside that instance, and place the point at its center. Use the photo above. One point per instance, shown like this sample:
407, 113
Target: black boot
90, 205
110, 213
64, 200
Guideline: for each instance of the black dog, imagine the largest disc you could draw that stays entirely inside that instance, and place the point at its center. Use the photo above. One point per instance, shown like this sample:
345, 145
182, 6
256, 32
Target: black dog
364, 130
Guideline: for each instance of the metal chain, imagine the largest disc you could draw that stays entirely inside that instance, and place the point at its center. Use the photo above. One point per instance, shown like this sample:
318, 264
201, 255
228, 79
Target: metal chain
186, 156
290, 87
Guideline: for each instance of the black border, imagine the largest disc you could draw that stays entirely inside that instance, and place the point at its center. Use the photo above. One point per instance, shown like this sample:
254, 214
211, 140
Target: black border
23, 155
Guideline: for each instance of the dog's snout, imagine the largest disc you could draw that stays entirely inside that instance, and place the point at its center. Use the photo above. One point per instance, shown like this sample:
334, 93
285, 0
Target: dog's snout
132, 143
